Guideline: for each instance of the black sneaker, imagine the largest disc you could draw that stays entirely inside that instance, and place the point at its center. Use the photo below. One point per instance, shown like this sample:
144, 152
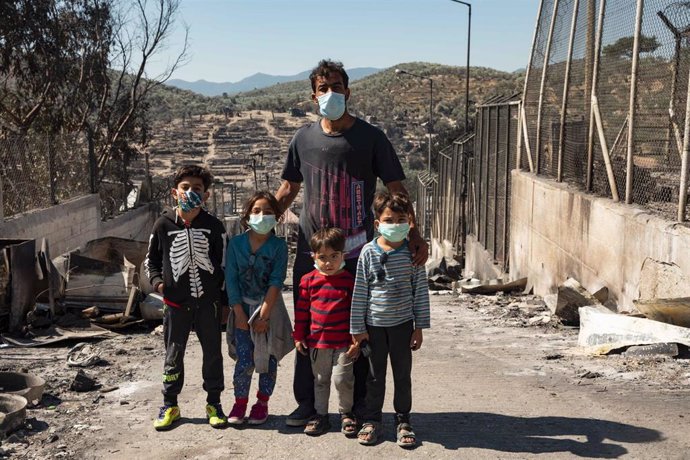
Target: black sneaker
299, 416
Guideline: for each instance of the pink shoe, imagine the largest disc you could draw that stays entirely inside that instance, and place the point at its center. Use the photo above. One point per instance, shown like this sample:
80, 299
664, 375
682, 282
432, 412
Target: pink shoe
258, 414
236, 416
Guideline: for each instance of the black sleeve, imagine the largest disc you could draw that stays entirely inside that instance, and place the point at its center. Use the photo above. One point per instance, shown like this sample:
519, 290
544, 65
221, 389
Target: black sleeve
386, 162
291, 172
154, 258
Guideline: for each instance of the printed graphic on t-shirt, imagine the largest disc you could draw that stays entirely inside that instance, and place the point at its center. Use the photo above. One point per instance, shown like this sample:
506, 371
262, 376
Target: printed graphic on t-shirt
190, 251
337, 199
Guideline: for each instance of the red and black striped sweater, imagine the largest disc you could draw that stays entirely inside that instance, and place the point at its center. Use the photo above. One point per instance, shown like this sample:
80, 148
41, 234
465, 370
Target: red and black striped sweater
322, 313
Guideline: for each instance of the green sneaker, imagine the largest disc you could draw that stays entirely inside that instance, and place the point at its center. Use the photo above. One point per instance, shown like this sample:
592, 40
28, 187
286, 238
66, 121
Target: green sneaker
166, 417
216, 417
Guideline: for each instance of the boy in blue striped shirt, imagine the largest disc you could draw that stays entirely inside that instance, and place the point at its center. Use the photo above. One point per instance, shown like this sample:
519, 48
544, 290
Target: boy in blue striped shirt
390, 308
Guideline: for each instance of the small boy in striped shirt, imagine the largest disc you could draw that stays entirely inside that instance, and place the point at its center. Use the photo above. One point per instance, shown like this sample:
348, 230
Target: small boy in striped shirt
322, 320
390, 308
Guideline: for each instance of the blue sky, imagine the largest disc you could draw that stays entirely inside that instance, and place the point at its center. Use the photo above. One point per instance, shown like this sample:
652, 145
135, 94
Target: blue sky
232, 39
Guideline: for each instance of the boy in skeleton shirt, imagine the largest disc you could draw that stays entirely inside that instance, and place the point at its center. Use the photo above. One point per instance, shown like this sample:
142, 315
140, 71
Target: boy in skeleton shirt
185, 264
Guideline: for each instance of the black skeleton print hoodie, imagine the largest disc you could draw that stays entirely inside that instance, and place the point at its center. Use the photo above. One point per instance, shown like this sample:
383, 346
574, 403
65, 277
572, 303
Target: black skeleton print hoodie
188, 258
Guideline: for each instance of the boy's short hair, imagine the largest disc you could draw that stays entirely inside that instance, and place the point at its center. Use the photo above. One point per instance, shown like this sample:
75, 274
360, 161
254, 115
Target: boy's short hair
193, 171
324, 68
331, 237
396, 202
249, 204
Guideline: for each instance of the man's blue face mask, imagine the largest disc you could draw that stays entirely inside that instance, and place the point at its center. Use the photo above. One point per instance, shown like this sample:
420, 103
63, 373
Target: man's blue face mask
332, 105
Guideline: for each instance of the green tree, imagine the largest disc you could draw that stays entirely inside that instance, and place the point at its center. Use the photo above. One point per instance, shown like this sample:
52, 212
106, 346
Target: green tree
623, 47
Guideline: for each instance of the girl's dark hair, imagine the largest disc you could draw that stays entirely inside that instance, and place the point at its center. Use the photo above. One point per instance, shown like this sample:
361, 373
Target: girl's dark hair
249, 204
396, 202
331, 237
324, 68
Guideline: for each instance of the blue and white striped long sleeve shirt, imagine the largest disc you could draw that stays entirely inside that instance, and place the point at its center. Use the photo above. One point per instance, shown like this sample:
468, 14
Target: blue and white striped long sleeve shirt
388, 294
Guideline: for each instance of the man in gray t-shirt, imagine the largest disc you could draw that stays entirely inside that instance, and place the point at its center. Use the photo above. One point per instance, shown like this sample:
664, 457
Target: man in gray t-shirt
339, 159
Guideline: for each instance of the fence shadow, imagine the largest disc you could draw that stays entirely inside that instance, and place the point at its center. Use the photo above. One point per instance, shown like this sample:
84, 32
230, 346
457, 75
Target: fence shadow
583, 437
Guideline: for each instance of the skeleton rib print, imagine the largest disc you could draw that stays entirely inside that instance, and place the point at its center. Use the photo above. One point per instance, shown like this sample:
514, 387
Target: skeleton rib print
190, 251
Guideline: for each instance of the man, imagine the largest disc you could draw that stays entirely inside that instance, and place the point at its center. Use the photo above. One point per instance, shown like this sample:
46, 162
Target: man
339, 159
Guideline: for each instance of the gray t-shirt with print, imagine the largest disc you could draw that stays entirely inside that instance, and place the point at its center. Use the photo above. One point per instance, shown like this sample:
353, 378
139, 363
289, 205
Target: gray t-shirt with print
339, 173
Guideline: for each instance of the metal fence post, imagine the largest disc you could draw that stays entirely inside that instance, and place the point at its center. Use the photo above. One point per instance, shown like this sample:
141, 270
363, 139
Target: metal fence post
633, 99
683, 191
497, 154
524, 90
2, 199
540, 104
566, 88
593, 95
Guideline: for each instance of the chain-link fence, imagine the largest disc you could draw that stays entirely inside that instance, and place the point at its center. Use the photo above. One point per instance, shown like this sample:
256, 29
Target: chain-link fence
41, 170
605, 97
424, 204
449, 194
495, 155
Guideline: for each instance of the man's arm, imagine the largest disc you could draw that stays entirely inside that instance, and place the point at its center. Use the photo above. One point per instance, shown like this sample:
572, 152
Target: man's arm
418, 247
286, 194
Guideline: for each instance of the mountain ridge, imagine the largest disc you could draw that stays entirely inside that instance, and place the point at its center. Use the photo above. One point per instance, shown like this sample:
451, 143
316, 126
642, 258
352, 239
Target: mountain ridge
255, 81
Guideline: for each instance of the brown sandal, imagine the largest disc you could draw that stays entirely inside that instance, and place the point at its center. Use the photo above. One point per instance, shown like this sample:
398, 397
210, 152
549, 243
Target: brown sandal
317, 425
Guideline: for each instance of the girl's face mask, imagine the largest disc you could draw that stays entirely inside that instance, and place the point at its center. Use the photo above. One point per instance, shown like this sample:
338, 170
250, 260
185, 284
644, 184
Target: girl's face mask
262, 223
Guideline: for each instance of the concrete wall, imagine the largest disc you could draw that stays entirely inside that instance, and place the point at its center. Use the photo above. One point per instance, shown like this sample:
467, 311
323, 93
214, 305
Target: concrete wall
558, 232
70, 225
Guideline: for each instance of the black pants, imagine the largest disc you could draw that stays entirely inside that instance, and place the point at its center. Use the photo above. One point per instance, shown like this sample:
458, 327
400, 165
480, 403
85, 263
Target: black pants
394, 342
303, 382
177, 324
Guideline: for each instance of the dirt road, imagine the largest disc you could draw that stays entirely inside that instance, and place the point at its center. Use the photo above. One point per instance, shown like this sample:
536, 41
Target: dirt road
486, 385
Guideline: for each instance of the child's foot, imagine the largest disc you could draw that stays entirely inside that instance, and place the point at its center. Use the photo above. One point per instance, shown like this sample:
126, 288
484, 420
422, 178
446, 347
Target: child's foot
299, 416
166, 417
369, 434
259, 413
348, 425
216, 417
405, 436
318, 425
236, 416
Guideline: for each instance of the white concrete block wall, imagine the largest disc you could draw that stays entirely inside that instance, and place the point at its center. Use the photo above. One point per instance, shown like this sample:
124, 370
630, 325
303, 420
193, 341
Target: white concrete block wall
558, 232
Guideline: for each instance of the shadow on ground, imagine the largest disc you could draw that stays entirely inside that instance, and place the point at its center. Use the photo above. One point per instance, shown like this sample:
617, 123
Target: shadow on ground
536, 435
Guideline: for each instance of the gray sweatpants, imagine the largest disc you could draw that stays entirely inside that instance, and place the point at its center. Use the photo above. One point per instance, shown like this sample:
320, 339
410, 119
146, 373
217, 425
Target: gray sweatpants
324, 363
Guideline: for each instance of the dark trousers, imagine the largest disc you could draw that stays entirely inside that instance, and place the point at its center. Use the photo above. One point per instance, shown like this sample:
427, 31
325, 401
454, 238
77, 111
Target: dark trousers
394, 342
177, 324
303, 382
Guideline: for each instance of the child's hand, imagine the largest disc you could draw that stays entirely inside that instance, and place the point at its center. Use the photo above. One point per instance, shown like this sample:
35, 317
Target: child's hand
301, 346
416, 340
241, 320
260, 325
353, 351
358, 338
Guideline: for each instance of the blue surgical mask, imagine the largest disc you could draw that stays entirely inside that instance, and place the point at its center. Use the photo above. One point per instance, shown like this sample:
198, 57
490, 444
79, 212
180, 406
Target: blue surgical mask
394, 232
332, 105
262, 224
189, 200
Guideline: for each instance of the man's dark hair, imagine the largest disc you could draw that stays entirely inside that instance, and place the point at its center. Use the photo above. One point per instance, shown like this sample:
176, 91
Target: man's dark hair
396, 202
249, 204
331, 237
324, 69
193, 171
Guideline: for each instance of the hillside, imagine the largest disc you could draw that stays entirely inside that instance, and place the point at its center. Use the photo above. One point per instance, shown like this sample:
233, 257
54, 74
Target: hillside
255, 126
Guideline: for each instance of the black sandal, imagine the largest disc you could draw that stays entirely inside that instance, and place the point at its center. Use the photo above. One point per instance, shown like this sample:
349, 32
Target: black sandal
348, 425
317, 425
